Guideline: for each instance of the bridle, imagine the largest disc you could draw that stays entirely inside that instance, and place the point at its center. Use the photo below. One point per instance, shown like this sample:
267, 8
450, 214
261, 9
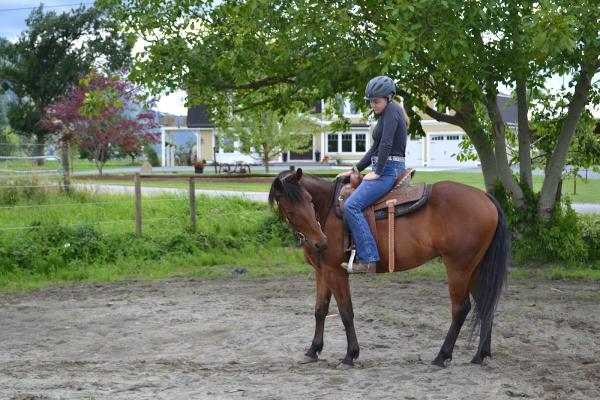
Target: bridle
299, 235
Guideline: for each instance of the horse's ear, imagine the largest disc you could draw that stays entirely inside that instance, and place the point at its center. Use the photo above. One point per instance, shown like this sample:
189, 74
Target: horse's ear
298, 174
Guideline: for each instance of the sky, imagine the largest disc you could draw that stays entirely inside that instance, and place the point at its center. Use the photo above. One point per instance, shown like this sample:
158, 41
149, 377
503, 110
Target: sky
13, 14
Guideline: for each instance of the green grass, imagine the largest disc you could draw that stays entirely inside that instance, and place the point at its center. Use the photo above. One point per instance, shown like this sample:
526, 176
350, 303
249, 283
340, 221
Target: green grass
587, 192
85, 238
54, 165
183, 184
88, 237
258, 262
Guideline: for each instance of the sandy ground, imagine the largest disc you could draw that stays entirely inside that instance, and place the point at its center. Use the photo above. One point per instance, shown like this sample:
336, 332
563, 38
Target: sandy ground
245, 338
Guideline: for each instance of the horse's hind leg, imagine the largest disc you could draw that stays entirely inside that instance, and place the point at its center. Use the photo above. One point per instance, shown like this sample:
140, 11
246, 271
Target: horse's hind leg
321, 310
461, 305
485, 345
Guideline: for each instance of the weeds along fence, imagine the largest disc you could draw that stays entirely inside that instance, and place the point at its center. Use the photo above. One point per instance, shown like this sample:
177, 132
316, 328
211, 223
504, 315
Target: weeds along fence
29, 203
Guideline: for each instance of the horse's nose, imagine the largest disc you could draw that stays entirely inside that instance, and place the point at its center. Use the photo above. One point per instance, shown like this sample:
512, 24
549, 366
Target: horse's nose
322, 246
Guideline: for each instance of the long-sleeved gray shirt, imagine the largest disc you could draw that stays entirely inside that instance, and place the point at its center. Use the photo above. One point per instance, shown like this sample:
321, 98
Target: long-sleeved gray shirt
389, 138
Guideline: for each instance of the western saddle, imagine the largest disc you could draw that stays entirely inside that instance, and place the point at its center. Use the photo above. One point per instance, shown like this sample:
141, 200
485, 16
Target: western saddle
402, 199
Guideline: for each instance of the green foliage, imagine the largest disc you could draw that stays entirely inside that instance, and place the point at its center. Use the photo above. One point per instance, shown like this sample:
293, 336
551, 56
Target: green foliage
151, 156
30, 189
9, 142
269, 133
50, 55
562, 238
54, 244
590, 233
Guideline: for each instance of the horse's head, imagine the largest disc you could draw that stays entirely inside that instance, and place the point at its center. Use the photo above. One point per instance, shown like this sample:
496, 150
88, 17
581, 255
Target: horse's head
296, 207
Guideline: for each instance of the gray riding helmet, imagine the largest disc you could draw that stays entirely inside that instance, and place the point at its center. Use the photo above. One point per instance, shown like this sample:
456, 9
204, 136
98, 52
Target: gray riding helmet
380, 86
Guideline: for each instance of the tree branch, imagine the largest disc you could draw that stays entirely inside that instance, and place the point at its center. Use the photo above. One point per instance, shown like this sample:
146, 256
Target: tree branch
270, 81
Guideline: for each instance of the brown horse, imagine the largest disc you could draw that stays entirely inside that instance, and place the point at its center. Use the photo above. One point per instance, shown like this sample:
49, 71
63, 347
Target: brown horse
459, 223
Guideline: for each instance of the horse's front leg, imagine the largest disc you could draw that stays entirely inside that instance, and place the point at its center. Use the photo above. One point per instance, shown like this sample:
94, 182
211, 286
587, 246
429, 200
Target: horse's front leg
340, 287
321, 310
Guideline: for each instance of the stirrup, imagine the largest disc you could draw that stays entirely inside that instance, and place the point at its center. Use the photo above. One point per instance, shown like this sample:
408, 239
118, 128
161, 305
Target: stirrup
369, 267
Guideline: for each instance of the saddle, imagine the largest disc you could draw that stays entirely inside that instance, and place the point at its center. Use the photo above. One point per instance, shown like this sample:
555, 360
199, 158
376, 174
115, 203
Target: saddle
402, 199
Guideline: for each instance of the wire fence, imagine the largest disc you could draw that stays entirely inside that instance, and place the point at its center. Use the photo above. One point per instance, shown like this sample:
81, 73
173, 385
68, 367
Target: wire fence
187, 213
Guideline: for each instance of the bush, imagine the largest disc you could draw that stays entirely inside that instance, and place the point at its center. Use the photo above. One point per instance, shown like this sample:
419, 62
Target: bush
151, 156
30, 189
54, 242
590, 233
559, 239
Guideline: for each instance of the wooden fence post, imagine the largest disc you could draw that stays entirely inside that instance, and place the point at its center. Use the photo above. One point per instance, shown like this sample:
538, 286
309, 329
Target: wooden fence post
138, 205
193, 203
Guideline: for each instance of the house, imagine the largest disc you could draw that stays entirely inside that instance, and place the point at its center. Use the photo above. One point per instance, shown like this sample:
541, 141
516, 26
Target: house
436, 149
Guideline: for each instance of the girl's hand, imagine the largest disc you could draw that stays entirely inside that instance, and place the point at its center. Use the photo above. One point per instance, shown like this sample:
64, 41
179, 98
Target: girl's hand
344, 173
371, 176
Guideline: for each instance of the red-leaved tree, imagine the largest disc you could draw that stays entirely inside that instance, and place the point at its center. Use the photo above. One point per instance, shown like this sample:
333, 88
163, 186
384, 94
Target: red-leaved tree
103, 115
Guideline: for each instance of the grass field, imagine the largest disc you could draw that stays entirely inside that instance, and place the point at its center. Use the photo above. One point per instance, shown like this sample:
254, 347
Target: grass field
587, 192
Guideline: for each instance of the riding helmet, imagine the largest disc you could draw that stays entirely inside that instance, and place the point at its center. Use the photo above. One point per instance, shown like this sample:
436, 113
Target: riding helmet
380, 86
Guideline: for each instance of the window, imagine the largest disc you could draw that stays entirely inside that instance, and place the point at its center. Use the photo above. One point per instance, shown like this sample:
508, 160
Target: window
437, 137
361, 142
347, 143
228, 145
332, 143
350, 108
453, 137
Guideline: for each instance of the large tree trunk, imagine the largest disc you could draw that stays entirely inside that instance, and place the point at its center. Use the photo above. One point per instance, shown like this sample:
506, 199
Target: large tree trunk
486, 155
504, 171
557, 160
524, 135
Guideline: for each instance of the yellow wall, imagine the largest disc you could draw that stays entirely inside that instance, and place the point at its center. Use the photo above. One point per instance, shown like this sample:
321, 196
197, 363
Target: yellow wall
206, 148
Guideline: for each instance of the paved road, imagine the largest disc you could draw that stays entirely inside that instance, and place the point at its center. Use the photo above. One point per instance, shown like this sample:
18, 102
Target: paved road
583, 208
157, 191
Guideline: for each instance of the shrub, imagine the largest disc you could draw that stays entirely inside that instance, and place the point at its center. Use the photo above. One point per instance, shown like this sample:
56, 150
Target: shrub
590, 233
151, 156
559, 239
29, 189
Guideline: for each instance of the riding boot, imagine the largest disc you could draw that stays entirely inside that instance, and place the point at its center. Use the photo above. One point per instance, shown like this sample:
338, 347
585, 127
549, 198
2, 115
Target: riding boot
360, 268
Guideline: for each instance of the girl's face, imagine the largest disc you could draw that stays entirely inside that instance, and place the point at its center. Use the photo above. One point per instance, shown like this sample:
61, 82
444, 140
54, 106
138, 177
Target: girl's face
378, 104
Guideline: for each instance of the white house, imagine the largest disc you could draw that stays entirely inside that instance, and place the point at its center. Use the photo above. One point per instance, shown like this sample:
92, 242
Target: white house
436, 149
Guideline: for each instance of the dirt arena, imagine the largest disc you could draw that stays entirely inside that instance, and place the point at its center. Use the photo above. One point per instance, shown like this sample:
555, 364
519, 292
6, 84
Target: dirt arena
245, 338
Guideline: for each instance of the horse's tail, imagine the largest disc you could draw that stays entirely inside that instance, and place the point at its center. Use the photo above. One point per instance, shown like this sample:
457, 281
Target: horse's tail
492, 276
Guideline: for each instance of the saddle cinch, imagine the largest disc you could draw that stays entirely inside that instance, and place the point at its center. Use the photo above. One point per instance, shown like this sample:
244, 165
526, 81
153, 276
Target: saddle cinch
402, 199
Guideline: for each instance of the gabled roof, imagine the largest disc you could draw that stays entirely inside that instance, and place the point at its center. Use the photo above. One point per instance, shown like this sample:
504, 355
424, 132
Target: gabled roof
198, 117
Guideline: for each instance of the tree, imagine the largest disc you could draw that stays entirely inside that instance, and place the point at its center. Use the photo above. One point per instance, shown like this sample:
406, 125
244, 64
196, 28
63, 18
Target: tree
103, 115
50, 56
456, 52
267, 133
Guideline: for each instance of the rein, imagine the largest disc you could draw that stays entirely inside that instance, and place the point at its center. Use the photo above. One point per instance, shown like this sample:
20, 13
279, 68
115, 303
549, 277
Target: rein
301, 237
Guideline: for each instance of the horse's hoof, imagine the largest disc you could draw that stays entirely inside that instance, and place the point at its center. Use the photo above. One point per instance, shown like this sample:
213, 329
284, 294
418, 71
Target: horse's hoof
439, 362
307, 360
477, 360
345, 364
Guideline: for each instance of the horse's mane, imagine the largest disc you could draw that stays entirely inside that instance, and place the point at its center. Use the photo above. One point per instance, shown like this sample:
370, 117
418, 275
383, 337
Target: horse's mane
289, 187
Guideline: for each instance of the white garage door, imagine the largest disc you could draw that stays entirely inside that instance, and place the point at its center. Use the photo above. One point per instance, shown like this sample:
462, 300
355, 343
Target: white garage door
414, 152
441, 148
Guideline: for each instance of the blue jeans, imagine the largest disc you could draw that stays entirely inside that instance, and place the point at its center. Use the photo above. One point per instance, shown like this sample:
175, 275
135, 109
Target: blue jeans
367, 193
